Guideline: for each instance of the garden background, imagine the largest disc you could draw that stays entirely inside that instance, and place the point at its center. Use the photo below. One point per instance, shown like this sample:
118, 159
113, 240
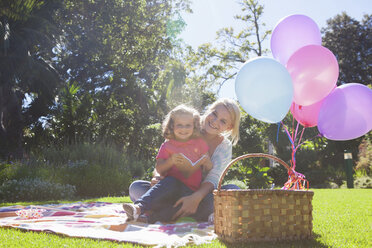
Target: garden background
85, 85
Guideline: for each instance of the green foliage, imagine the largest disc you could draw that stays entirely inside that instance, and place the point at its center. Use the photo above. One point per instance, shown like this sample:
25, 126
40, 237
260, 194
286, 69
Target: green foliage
363, 182
28, 82
279, 175
236, 182
350, 41
364, 164
21, 169
216, 65
34, 189
117, 55
94, 169
253, 134
252, 172
95, 179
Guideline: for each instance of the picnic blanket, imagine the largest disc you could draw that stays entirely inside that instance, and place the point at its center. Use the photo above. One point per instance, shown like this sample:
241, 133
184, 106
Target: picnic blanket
102, 220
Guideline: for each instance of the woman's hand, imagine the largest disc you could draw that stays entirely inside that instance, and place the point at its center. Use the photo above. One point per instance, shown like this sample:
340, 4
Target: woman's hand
189, 206
207, 163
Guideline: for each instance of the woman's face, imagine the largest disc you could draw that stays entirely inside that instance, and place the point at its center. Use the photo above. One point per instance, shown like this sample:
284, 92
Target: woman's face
218, 121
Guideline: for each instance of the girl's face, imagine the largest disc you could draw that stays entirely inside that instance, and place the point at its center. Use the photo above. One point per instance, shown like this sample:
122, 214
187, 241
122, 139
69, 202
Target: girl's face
218, 121
183, 127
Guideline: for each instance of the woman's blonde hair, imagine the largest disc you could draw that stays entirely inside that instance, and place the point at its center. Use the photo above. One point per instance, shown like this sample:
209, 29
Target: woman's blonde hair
168, 123
234, 110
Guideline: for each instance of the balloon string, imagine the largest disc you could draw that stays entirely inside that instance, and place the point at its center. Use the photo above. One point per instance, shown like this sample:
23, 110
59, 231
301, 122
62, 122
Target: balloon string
296, 131
318, 135
293, 121
288, 134
277, 133
296, 181
302, 132
295, 150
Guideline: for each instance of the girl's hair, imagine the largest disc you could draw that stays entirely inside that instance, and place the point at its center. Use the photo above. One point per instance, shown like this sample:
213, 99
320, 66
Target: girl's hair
234, 110
168, 123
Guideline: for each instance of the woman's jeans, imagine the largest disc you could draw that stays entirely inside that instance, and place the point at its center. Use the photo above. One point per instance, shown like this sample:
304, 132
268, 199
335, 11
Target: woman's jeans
162, 196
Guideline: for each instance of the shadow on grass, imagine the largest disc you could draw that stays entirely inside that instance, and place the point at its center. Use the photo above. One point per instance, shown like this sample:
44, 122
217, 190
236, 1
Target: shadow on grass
98, 199
306, 243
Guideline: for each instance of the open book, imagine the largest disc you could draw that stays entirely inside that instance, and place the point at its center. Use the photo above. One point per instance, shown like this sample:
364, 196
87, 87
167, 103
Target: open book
196, 162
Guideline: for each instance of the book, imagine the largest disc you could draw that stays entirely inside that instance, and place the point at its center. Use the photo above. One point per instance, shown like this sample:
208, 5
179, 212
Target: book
193, 163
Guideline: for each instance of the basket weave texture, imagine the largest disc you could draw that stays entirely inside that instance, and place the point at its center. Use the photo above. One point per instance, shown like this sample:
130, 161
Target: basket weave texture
261, 214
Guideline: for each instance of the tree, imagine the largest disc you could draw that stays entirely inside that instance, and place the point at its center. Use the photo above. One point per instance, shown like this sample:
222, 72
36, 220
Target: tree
115, 53
216, 65
28, 82
351, 42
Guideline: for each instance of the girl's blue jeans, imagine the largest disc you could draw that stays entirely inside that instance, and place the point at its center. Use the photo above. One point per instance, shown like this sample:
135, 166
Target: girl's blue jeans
162, 196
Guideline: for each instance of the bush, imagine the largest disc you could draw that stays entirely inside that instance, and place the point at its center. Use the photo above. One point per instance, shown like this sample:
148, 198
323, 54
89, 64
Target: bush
34, 189
279, 174
95, 169
95, 179
22, 169
252, 172
363, 182
236, 182
364, 164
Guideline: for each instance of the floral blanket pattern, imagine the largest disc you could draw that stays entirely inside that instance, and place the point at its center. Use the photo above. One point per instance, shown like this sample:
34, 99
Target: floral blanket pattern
102, 220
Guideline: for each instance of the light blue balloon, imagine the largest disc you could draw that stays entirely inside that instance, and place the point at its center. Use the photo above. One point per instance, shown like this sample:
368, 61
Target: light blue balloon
264, 89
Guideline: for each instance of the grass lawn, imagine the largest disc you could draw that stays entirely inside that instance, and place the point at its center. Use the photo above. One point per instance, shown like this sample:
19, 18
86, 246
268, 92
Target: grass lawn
341, 218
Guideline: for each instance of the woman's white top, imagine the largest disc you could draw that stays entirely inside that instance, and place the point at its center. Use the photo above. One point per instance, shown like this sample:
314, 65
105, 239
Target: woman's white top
220, 159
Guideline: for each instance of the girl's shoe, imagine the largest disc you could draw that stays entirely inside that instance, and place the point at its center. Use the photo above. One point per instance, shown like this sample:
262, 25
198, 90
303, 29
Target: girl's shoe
132, 211
211, 218
143, 218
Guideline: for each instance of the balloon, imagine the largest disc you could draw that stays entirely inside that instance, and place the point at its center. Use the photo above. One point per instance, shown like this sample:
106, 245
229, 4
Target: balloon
346, 113
314, 71
306, 115
292, 33
264, 89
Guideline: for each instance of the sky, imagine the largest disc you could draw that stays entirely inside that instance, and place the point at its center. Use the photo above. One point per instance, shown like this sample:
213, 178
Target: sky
211, 15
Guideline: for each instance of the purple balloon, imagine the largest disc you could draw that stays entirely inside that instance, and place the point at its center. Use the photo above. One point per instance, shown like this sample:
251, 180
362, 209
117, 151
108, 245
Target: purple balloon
292, 33
346, 112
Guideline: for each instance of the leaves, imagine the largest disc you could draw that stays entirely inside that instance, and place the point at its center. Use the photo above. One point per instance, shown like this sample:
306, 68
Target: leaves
218, 64
350, 41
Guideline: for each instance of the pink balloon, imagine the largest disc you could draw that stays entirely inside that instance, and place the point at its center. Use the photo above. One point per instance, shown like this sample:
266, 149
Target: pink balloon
306, 115
292, 33
346, 113
314, 71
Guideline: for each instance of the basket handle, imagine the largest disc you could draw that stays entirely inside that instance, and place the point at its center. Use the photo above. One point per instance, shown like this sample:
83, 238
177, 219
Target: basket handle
251, 155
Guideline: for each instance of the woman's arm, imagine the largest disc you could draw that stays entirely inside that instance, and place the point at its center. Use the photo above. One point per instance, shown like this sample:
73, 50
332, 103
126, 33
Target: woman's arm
220, 159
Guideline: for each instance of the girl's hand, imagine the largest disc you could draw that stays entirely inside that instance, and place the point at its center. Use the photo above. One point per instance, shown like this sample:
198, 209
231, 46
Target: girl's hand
179, 160
155, 180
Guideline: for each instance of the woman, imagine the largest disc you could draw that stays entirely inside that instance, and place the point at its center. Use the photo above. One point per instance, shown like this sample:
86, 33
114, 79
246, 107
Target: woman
220, 121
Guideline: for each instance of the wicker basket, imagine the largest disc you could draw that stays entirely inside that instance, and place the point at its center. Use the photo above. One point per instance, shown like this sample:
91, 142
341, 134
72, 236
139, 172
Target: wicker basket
260, 214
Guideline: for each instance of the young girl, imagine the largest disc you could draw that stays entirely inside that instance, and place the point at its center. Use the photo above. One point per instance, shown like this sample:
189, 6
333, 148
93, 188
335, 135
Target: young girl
181, 159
